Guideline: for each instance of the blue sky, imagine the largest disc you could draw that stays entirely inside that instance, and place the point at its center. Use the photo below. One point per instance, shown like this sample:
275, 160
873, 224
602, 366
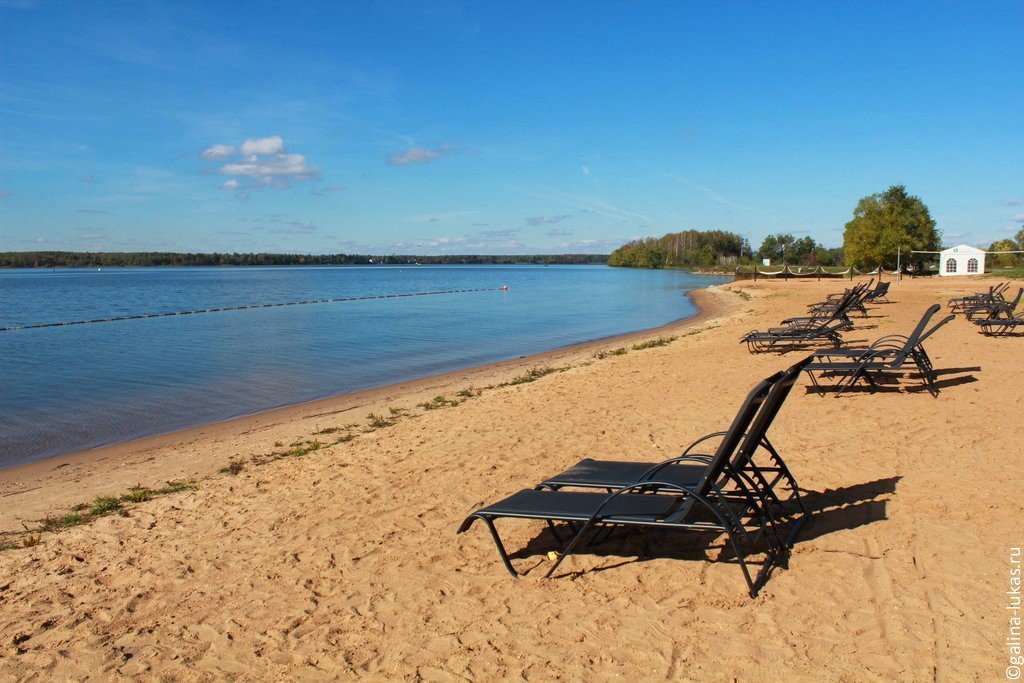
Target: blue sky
449, 127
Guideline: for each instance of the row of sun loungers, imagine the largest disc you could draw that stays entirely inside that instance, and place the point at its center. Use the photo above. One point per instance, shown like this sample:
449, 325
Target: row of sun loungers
825, 324
990, 311
742, 488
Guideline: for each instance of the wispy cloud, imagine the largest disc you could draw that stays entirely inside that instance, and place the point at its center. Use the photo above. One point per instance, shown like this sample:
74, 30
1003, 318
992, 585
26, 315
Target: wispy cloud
712, 195
1018, 218
418, 155
5, 193
546, 220
438, 217
585, 169
558, 232
592, 246
292, 227
326, 189
583, 203
497, 234
97, 211
217, 152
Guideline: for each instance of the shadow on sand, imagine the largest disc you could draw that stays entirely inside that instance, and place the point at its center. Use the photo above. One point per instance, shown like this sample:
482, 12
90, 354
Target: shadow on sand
831, 510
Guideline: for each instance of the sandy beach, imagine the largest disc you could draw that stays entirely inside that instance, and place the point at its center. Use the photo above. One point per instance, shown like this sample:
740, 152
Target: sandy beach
331, 551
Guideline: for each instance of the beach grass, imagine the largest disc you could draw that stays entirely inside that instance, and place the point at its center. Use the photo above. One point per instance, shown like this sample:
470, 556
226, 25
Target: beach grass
101, 506
653, 343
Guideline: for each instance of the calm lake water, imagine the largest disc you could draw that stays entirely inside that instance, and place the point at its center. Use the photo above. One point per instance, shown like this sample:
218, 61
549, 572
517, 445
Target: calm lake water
64, 389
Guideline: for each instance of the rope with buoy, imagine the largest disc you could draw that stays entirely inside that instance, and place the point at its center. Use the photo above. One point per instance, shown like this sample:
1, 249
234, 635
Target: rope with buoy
244, 307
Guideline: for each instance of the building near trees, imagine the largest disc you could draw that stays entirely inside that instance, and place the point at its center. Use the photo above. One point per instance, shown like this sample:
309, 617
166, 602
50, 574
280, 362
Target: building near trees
961, 260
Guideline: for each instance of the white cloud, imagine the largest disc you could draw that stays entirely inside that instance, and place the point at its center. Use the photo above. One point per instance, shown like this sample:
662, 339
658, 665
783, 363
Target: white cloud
585, 169
417, 155
269, 145
256, 166
558, 232
217, 152
546, 220
1018, 218
260, 162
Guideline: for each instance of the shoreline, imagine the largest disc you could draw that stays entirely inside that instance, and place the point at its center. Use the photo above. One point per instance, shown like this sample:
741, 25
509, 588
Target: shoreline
90, 463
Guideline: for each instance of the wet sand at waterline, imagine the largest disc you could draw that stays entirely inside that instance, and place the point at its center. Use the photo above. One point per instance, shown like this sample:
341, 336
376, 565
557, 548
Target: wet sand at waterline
344, 562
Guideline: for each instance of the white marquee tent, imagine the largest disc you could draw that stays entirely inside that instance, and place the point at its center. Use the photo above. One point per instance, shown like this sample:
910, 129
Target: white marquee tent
961, 260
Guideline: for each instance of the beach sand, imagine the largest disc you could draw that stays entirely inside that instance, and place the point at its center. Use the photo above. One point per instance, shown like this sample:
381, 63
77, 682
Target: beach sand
344, 562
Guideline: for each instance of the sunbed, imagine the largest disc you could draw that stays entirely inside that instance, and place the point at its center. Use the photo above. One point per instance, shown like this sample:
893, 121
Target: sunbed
994, 293
764, 475
797, 335
719, 501
886, 355
1002, 320
993, 309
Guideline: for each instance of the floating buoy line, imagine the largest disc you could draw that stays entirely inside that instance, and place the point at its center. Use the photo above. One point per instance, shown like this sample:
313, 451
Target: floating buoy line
221, 309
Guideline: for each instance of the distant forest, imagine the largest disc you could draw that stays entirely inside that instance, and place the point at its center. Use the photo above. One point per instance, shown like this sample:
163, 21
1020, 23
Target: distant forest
76, 259
720, 250
690, 248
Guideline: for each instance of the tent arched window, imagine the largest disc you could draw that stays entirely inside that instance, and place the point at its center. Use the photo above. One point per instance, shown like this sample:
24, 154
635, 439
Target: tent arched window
951, 265
972, 265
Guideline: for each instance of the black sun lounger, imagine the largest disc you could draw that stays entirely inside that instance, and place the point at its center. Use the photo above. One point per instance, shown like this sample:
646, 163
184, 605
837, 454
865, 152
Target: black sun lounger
850, 300
959, 303
994, 308
764, 475
999, 327
796, 336
719, 501
886, 355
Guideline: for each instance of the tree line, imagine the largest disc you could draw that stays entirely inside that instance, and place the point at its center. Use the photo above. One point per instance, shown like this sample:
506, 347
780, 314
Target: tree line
886, 226
76, 259
689, 248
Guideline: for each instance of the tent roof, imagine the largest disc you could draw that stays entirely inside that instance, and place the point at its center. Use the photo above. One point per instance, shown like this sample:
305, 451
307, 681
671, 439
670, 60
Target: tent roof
962, 249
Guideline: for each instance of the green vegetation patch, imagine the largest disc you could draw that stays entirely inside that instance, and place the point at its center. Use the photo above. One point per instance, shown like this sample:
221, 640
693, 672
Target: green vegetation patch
532, 375
652, 343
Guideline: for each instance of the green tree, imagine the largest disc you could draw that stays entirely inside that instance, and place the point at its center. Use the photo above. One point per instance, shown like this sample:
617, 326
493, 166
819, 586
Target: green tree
885, 222
1004, 260
795, 251
1020, 238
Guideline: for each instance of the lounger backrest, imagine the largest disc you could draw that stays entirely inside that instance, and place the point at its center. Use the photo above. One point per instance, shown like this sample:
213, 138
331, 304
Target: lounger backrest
845, 303
769, 407
934, 327
1016, 301
753, 403
772, 405
914, 338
